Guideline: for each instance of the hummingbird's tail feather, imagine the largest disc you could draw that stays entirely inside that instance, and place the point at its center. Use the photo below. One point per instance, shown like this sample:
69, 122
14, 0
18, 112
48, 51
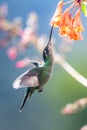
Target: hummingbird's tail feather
28, 94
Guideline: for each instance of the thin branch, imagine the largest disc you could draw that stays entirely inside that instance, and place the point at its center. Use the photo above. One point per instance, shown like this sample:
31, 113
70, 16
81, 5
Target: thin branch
68, 2
76, 75
72, 108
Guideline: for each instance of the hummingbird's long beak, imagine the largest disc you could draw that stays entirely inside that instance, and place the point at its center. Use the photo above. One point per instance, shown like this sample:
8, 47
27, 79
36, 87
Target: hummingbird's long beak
50, 35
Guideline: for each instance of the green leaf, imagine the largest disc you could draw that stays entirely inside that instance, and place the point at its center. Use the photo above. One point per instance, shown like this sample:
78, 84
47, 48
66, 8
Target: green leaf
84, 10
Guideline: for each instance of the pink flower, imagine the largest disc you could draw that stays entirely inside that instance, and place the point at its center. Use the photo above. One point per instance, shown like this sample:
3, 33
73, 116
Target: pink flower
12, 53
20, 64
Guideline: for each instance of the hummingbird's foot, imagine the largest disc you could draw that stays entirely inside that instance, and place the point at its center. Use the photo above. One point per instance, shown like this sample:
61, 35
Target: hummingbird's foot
40, 89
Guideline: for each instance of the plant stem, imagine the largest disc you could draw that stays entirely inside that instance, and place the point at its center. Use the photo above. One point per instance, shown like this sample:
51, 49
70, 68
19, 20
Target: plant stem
76, 75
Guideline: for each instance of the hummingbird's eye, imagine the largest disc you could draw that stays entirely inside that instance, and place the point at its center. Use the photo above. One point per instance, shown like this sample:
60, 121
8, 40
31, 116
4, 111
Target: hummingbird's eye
46, 53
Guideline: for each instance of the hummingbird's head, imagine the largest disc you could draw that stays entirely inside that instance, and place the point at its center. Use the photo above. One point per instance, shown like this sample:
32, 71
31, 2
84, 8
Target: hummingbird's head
46, 53
47, 49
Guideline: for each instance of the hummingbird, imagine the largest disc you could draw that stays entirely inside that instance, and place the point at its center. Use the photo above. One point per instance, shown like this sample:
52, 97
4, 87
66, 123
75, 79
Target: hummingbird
38, 76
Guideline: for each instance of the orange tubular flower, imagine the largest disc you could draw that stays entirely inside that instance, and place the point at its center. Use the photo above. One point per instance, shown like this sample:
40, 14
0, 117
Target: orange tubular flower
66, 24
69, 24
66, 18
71, 27
74, 36
64, 31
77, 22
77, 27
57, 18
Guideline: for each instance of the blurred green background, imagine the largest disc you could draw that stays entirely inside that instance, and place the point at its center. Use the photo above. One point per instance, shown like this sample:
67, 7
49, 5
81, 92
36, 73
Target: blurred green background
43, 111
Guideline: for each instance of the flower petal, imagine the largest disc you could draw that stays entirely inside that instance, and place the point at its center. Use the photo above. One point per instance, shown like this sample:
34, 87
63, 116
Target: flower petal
57, 17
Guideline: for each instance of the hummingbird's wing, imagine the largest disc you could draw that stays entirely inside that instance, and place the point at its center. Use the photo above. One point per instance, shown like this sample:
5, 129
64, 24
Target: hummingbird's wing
27, 79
